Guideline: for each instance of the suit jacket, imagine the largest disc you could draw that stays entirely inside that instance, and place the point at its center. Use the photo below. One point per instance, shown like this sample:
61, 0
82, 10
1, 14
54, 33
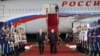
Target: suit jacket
40, 38
53, 38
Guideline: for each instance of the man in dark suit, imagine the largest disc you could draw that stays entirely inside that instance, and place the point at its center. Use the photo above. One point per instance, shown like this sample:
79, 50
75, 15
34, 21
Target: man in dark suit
53, 40
56, 8
41, 39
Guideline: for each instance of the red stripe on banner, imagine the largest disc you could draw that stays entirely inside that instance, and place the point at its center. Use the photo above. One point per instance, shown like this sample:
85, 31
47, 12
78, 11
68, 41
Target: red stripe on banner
27, 19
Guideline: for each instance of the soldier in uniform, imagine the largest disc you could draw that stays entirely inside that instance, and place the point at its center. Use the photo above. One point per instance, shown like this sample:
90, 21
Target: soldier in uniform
82, 38
91, 36
1, 24
8, 39
10, 43
98, 37
85, 37
94, 38
16, 42
79, 39
22, 38
89, 39
3, 41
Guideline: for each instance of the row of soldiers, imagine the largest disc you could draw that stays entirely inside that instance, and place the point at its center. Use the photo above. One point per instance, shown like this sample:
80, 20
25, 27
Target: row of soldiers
88, 38
12, 40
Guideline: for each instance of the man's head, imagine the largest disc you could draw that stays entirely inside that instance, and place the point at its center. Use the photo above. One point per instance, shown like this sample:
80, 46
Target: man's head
85, 27
52, 30
40, 30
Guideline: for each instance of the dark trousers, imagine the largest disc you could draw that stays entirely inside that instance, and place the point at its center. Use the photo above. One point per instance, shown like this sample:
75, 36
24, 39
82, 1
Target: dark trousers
56, 10
4, 49
84, 46
79, 47
53, 48
22, 48
41, 48
16, 51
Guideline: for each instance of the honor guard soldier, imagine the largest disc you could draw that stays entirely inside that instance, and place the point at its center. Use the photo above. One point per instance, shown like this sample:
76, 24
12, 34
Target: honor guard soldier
90, 38
82, 38
8, 39
98, 37
3, 41
22, 38
85, 37
94, 38
79, 39
1, 24
16, 42
86, 30
10, 43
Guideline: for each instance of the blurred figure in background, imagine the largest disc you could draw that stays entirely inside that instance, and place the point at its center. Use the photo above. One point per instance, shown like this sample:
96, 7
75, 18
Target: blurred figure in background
56, 8
67, 38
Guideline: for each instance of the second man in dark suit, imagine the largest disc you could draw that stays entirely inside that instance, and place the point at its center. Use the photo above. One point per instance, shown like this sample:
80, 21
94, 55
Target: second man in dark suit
53, 41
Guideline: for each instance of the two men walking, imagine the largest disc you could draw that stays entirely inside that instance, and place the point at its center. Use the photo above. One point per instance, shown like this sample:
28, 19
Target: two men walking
52, 36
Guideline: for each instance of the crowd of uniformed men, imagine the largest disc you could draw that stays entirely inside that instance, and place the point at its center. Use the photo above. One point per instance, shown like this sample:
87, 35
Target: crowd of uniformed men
12, 40
88, 38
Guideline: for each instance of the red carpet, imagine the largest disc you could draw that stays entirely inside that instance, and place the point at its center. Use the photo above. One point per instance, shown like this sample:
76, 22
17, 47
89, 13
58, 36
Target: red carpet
28, 44
71, 43
52, 22
62, 51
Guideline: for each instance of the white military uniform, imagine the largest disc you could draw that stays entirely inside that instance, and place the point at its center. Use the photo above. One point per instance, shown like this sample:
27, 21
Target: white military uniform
81, 36
85, 35
16, 39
